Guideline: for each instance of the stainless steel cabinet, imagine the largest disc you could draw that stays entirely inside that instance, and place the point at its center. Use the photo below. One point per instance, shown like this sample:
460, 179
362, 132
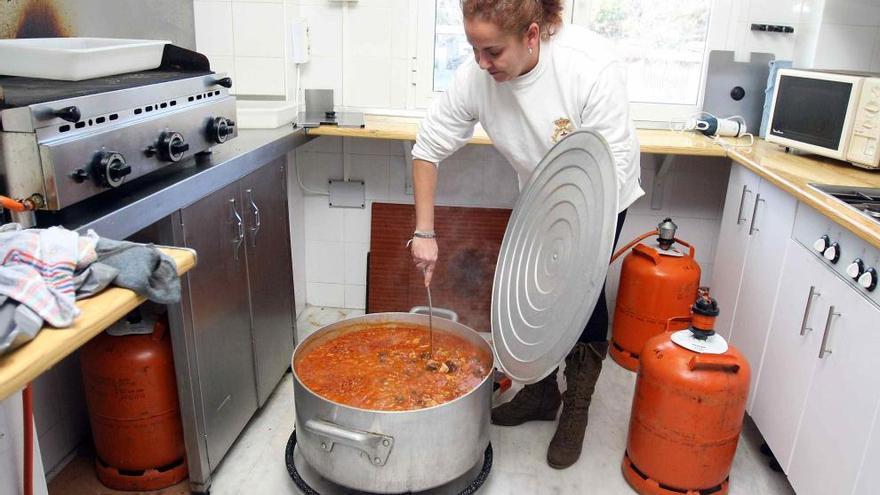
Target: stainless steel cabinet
233, 333
269, 271
220, 317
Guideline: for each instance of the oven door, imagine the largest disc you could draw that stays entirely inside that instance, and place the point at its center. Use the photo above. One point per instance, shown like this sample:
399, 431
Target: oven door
813, 111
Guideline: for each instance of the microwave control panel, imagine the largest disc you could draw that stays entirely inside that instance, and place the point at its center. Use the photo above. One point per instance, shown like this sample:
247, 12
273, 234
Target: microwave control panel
864, 144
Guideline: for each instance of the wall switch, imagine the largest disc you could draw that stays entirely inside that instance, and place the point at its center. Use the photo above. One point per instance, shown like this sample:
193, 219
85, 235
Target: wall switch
301, 45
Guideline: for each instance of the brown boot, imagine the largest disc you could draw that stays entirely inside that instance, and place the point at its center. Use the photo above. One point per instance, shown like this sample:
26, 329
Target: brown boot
582, 367
536, 402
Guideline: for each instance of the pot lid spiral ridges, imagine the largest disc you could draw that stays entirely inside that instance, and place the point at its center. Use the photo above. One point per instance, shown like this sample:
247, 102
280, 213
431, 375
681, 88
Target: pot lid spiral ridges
554, 257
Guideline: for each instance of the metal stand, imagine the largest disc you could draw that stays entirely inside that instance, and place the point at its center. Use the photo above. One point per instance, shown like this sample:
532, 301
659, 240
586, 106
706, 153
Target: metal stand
298, 474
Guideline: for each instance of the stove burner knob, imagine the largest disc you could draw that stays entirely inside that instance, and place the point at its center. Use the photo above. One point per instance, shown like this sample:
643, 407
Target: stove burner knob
70, 114
220, 128
80, 175
822, 243
111, 168
868, 280
172, 146
832, 254
855, 269
226, 82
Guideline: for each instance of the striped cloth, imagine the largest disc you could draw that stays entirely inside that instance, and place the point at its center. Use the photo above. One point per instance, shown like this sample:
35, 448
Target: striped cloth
37, 269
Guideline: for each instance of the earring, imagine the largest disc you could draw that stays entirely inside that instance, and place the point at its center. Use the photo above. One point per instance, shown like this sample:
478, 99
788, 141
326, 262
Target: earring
530, 50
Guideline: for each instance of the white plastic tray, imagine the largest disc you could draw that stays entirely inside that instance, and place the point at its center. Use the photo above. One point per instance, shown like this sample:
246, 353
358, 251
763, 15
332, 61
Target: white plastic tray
75, 59
252, 114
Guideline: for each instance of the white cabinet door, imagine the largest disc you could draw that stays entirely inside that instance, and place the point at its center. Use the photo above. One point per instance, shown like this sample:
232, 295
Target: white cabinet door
843, 396
770, 228
792, 347
733, 239
869, 476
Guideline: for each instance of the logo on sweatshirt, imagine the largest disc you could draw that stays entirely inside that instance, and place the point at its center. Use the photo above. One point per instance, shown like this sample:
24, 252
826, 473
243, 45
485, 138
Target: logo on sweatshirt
562, 127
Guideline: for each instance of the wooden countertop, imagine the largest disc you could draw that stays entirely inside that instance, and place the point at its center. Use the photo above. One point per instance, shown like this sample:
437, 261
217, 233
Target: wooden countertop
791, 173
406, 128
51, 345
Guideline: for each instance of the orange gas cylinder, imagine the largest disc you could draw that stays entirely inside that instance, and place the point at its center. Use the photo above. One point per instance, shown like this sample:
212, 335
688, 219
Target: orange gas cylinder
131, 394
656, 283
687, 411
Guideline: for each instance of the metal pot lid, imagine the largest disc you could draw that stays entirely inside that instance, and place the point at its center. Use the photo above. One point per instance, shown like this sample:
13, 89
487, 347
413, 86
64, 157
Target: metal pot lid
554, 257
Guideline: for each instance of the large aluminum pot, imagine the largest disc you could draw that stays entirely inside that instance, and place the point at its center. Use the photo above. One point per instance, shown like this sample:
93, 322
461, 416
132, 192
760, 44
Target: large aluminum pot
392, 451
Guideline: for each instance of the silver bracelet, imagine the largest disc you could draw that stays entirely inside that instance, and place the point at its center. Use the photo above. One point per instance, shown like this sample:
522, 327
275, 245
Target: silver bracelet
425, 234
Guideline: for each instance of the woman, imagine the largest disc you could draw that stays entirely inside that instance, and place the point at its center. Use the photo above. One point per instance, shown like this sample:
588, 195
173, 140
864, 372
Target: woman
532, 81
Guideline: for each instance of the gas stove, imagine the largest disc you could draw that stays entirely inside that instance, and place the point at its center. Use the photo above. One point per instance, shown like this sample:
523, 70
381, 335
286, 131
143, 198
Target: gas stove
62, 142
864, 199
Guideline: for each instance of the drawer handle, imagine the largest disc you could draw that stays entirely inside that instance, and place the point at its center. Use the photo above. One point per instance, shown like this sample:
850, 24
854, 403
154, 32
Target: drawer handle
813, 293
742, 202
256, 228
824, 350
752, 228
240, 226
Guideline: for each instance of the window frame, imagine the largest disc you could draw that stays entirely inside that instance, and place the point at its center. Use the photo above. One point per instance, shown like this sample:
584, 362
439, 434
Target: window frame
645, 115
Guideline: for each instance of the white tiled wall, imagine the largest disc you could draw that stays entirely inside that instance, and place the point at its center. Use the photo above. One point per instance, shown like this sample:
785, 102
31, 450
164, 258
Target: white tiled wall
337, 239
249, 40
849, 36
60, 415
360, 50
363, 50
296, 208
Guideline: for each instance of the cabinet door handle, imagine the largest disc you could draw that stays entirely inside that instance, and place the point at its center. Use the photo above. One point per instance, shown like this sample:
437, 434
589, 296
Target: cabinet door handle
256, 228
752, 228
823, 350
240, 226
742, 203
813, 293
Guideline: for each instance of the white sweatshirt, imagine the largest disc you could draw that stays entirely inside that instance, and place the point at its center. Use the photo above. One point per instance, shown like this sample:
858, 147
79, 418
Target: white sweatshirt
577, 83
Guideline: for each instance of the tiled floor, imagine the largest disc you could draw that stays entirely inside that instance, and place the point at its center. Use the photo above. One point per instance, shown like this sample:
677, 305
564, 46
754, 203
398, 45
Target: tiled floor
255, 464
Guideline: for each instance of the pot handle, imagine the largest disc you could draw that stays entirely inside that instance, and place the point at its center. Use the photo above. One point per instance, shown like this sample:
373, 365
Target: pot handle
375, 445
441, 312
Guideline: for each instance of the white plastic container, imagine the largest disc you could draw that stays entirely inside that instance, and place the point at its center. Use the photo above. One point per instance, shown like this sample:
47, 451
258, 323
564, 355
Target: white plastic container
251, 114
76, 59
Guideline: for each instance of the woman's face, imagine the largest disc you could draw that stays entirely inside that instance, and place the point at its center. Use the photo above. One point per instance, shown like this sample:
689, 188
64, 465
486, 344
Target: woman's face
504, 56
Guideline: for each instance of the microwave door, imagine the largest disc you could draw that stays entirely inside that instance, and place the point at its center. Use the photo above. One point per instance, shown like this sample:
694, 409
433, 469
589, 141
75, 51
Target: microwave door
812, 114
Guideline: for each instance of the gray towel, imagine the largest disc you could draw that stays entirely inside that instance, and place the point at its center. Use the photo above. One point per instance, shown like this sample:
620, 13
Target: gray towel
93, 279
18, 324
142, 268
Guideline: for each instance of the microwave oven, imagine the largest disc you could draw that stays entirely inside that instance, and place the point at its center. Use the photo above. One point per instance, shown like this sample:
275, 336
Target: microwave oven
829, 113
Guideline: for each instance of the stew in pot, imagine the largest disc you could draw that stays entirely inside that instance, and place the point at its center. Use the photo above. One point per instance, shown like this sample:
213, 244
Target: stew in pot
391, 368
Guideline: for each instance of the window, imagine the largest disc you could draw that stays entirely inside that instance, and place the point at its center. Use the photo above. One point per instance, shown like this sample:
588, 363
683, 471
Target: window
663, 43
450, 45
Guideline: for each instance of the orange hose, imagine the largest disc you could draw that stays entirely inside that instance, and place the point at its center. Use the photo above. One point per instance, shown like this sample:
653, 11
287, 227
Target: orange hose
12, 204
635, 241
28, 407
632, 243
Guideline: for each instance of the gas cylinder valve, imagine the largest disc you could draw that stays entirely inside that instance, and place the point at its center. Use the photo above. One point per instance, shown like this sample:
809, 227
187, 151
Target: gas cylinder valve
666, 233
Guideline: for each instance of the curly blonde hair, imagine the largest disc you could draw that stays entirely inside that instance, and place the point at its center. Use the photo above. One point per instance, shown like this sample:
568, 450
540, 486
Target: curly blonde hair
515, 16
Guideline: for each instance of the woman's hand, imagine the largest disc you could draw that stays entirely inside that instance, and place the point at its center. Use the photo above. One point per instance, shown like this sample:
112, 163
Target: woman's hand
424, 253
